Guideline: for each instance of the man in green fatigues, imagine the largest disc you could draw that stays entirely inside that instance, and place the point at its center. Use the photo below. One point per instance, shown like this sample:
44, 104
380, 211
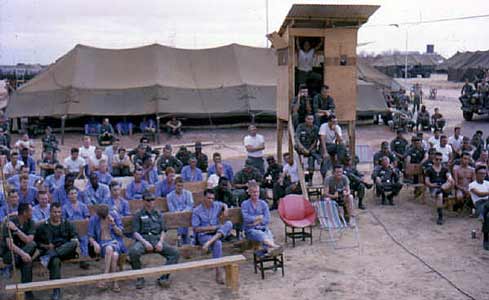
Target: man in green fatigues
149, 230
306, 140
399, 147
224, 194
323, 106
241, 179
57, 239
23, 247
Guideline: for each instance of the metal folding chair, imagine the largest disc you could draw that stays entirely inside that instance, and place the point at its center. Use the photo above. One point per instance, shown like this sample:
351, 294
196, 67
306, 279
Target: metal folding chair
331, 218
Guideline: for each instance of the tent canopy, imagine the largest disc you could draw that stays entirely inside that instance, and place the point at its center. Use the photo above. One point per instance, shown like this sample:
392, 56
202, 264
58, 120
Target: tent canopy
466, 65
231, 80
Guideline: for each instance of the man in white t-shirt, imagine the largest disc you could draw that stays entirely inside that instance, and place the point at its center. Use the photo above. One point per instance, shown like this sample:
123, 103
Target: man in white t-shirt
479, 192
332, 145
290, 171
13, 166
456, 141
435, 139
255, 144
445, 150
74, 164
87, 151
94, 161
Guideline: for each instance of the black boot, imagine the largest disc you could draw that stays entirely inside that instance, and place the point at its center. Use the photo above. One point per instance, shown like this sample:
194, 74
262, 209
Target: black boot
391, 199
485, 243
440, 216
360, 204
56, 294
383, 199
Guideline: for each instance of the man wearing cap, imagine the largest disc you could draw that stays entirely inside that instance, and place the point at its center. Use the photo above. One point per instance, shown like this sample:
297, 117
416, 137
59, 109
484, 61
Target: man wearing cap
207, 226
399, 147
306, 141
183, 155
149, 229
168, 160
191, 173
202, 160
242, 178
384, 151
322, 106
255, 144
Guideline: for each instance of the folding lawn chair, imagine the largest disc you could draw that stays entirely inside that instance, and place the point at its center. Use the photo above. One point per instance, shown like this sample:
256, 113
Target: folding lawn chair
331, 219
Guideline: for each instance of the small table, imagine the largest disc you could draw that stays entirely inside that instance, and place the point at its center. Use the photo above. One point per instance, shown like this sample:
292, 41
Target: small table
262, 263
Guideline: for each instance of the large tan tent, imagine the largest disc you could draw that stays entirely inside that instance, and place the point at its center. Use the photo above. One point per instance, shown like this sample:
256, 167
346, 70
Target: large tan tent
229, 80
232, 80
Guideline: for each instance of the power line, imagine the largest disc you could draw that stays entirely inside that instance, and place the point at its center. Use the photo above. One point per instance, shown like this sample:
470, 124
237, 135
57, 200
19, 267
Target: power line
431, 21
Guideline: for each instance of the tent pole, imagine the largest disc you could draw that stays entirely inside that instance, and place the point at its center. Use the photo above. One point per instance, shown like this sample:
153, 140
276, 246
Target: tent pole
157, 129
63, 119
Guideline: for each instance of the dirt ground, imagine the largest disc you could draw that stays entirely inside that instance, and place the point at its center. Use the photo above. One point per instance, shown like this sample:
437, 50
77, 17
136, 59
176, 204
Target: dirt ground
381, 268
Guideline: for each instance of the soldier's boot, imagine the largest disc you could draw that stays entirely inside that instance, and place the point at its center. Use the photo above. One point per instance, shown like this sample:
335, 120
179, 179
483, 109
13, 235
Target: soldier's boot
440, 216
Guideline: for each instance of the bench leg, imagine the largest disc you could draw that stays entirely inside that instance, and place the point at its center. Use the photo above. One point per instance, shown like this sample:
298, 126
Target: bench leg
232, 277
20, 296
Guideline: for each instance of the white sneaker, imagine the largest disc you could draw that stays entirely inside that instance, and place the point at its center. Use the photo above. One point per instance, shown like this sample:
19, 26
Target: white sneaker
45, 260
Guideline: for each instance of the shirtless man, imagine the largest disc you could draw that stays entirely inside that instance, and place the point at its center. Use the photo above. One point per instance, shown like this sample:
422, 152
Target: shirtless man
463, 175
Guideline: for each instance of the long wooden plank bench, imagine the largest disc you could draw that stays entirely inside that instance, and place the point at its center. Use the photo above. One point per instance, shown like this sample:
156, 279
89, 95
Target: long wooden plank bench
230, 263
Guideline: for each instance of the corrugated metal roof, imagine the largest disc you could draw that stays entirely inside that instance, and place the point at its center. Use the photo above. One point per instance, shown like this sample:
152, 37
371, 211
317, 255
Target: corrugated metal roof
359, 13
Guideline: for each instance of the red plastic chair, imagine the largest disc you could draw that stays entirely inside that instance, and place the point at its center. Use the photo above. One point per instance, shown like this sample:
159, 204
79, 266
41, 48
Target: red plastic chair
297, 213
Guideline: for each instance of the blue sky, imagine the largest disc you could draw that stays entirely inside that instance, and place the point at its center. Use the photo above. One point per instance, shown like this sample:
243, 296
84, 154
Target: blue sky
40, 31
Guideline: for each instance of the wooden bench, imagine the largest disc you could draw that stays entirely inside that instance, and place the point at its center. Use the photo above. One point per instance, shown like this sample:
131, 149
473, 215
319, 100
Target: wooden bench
230, 264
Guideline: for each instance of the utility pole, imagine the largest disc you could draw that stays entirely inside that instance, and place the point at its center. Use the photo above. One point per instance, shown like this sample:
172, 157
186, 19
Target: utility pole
266, 21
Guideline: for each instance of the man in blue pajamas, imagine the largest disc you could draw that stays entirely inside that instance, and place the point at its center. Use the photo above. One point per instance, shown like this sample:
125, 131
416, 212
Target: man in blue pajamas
256, 217
207, 227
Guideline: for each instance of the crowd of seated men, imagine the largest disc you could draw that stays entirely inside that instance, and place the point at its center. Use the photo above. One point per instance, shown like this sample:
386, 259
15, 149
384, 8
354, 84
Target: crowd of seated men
42, 199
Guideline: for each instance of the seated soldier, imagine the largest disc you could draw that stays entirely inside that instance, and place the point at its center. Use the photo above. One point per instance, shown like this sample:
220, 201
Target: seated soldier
103, 173
55, 180
21, 243
202, 160
96, 193
223, 193
479, 192
124, 127
415, 156
228, 169
271, 178
301, 105
167, 185
332, 144
207, 226
27, 194
256, 220
4, 142
357, 183
183, 155
399, 147
13, 166
138, 187
168, 160
174, 127
121, 164
463, 175
191, 173
306, 139
437, 120
23, 172
106, 133
49, 141
73, 210
289, 180
40, 212
180, 200
47, 164
74, 164
386, 179
116, 202
105, 234
439, 180
57, 240
139, 155
384, 151
149, 230
150, 174
423, 119
322, 106
245, 175
213, 179
337, 188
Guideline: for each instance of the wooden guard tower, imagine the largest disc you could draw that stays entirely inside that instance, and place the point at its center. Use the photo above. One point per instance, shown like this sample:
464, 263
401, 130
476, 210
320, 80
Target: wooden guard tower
336, 26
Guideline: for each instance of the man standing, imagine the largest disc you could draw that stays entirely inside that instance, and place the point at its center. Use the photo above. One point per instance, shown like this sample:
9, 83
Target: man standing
57, 240
256, 218
22, 243
180, 200
208, 228
255, 144
439, 180
149, 233
479, 191
306, 139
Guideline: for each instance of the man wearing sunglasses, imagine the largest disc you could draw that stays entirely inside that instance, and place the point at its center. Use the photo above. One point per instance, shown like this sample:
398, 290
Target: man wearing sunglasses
439, 180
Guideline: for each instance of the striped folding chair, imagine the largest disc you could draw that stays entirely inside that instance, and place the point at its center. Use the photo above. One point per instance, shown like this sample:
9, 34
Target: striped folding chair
331, 219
